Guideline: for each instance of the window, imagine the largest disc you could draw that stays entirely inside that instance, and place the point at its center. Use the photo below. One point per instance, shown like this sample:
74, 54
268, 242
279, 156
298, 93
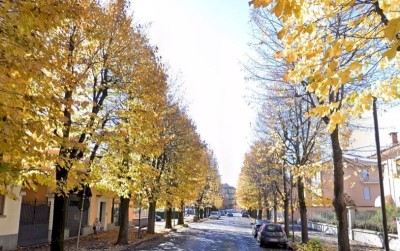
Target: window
367, 193
364, 175
2, 200
316, 179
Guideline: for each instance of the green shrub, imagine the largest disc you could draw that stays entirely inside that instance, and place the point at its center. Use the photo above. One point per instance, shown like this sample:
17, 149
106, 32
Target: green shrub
324, 217
372, 220
311, 245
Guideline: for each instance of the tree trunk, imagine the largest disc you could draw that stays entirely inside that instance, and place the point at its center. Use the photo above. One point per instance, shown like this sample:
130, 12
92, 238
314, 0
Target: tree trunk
168, 218
205, 212
285, 203
292, 204
339, 202
60, 211
151, 218
180, 214
268, 214
201, 213
123, 221
59, 215
259, 214
198, 213
275, 208
303, 210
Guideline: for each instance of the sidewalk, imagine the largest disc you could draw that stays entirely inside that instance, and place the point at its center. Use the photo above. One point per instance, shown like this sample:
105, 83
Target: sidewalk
106, 240
331, 241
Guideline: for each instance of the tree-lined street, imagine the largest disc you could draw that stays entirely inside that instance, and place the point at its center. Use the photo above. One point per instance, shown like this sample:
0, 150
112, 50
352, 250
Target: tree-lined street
98, 138
225, 234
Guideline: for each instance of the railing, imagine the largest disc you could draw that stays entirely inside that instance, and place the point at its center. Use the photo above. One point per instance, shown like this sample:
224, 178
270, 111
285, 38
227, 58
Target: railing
369, 180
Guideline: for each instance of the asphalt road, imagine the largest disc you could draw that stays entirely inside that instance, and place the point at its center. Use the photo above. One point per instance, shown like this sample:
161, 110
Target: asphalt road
227, 233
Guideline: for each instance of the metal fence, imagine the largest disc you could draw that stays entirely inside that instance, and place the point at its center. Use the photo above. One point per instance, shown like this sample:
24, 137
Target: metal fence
34, 223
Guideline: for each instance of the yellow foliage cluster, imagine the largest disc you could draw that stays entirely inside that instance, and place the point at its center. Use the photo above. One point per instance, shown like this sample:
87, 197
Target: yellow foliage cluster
260, 175
338, 49
83, 95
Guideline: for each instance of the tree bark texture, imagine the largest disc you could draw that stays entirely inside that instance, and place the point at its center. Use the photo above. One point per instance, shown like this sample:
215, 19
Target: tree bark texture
201, 213
168, 218
181, 214
59, 216
303, 210
124, 221
198, 213
259, 214
339, 201
275, 207
151, 218
285, 204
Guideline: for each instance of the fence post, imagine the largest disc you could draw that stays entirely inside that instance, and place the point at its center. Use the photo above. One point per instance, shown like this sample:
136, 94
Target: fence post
398, 226
351, 216
51, 204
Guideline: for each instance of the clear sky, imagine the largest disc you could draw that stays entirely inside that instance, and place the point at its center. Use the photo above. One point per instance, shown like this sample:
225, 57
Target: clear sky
363, 140
205, 43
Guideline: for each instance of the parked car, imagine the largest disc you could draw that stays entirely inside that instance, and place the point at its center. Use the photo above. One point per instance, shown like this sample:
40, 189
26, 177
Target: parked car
229, 214
214, 215
158, 218
272, 234
257, 225
245, 214
222, 212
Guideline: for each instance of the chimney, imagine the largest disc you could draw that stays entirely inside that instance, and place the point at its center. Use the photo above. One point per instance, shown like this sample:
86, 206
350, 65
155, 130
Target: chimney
394, 138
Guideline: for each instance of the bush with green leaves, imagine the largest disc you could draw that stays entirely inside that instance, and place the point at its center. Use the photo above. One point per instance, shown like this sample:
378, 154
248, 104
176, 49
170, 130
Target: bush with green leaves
372, 220
311, 245
324, 217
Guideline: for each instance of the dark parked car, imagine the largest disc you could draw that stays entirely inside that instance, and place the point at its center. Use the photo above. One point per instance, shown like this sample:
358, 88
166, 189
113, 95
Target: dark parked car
245, 214
158, 218
229, 214
272, 234
257, 225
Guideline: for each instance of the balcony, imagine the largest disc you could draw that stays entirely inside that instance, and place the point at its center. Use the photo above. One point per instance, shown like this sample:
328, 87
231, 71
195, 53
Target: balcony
369, 180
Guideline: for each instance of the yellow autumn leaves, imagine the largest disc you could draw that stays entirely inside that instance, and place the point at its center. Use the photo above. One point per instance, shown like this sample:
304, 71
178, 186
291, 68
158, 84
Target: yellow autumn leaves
83, 94
329, 46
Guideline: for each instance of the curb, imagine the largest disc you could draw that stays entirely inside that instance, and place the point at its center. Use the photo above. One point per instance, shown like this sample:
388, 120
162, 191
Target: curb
158, 236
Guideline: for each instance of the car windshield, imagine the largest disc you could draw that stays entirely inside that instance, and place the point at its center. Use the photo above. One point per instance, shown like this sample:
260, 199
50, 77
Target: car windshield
272, 228
260, 222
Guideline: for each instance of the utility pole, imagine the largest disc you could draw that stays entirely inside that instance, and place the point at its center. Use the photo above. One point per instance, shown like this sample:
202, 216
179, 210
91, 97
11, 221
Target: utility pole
382, 192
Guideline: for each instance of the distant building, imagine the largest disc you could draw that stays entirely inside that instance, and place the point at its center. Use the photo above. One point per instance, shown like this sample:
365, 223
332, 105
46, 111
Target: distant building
391, 171
229, 194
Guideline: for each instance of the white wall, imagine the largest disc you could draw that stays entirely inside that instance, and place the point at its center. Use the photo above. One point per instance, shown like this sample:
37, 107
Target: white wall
9, 222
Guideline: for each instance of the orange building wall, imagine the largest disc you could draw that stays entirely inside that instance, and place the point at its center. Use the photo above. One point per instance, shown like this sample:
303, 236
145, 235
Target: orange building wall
353, 186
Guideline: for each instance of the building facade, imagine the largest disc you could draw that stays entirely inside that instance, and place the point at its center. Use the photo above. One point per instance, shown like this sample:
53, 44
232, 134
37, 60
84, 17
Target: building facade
229, 195
391, 170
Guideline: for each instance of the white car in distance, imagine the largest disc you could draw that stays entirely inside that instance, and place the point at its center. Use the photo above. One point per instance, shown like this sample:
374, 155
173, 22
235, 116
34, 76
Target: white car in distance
214, 215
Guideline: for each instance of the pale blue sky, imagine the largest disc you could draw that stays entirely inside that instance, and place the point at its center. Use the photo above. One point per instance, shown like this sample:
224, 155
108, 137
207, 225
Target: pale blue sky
205, 43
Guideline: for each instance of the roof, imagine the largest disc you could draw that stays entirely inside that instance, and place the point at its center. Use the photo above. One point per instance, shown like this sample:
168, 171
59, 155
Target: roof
360, 161
387, 151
